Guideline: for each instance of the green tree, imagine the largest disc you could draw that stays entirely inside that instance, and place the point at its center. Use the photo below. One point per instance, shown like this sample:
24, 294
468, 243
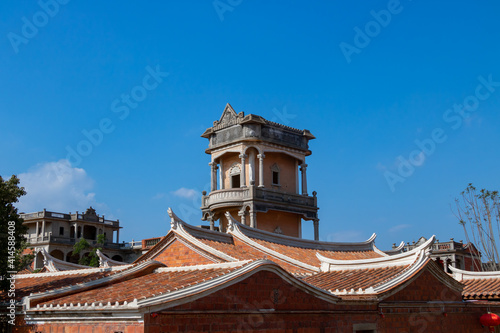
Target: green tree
479, 214
92, 259
12, 231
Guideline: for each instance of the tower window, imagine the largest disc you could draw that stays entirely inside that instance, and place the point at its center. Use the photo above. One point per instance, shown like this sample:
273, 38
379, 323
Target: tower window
276, 174
276, 178
234, 173
61, 231
235, 181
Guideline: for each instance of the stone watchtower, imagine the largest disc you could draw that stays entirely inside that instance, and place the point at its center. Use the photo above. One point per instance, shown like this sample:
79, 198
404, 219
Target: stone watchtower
255, 175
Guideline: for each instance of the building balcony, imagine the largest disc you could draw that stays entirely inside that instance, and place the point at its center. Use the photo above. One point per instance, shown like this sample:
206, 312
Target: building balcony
262, 197
71, 241
69, 217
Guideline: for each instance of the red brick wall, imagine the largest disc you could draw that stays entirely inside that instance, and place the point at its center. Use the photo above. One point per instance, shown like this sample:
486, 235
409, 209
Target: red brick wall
92, 327
426, 288
178, 254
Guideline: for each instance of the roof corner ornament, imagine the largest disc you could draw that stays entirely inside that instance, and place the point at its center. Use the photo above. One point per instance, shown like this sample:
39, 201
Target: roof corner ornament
174, 220
231, 222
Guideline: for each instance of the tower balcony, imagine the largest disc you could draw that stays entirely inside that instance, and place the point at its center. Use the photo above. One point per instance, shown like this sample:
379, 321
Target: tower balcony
263, 200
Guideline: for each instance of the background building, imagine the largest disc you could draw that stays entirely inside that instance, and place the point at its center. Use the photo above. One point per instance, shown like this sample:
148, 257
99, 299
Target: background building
57, 233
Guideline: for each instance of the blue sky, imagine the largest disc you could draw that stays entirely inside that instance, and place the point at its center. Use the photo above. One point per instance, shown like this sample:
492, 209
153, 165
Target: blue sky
381, 84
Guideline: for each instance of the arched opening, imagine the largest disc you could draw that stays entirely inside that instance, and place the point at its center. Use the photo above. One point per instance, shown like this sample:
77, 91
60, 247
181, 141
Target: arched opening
72, 258
117, 258
39, 260
58, 254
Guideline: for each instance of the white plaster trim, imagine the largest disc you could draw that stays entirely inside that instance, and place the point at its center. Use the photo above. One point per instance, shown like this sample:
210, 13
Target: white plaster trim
191, 293
86, 306
199, 267
306, 243
420, 261
27, 300
404, 258
178, 227
51, 263
73, 272
119, 315
377, 250
107, 262
397, 250
234, 229
459, 274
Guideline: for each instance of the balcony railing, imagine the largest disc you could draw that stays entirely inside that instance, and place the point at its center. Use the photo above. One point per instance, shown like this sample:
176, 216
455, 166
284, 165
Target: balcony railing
256, 193
68, 217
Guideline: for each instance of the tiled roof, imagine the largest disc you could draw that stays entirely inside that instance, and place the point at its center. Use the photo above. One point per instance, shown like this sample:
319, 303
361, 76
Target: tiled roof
27, 284
354, 279
308, 255
479, 289
159, 282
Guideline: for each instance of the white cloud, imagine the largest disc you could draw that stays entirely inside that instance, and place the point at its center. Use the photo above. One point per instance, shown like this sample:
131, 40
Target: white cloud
58, 187
187, 193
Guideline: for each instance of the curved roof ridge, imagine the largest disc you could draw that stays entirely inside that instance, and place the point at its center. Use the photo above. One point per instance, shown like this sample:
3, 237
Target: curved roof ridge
306, 243
405, 258
206, 233
108, 262
230, 264
177, 226
459, 274
396, 250
234, 229
55, 265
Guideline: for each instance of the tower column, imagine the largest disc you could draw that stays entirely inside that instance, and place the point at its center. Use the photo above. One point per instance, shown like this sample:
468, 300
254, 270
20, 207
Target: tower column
213, 178
210, 219
316, 229
253, 223
36, 231
242, 216
243, 176
303, 169
261, 169
251, 167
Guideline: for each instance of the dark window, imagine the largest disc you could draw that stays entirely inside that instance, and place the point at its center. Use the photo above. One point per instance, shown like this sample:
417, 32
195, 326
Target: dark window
276, 177
61, 231
235, 181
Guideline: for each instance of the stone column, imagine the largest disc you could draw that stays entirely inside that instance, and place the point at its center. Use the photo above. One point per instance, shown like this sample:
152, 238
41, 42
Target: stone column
210, 219
242, 216
243, 177
251, 167
43, 229
213, 176
118, 235
303, 169
261, 169
253, 222
36, 231
221, 177
76, 231
316, 229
